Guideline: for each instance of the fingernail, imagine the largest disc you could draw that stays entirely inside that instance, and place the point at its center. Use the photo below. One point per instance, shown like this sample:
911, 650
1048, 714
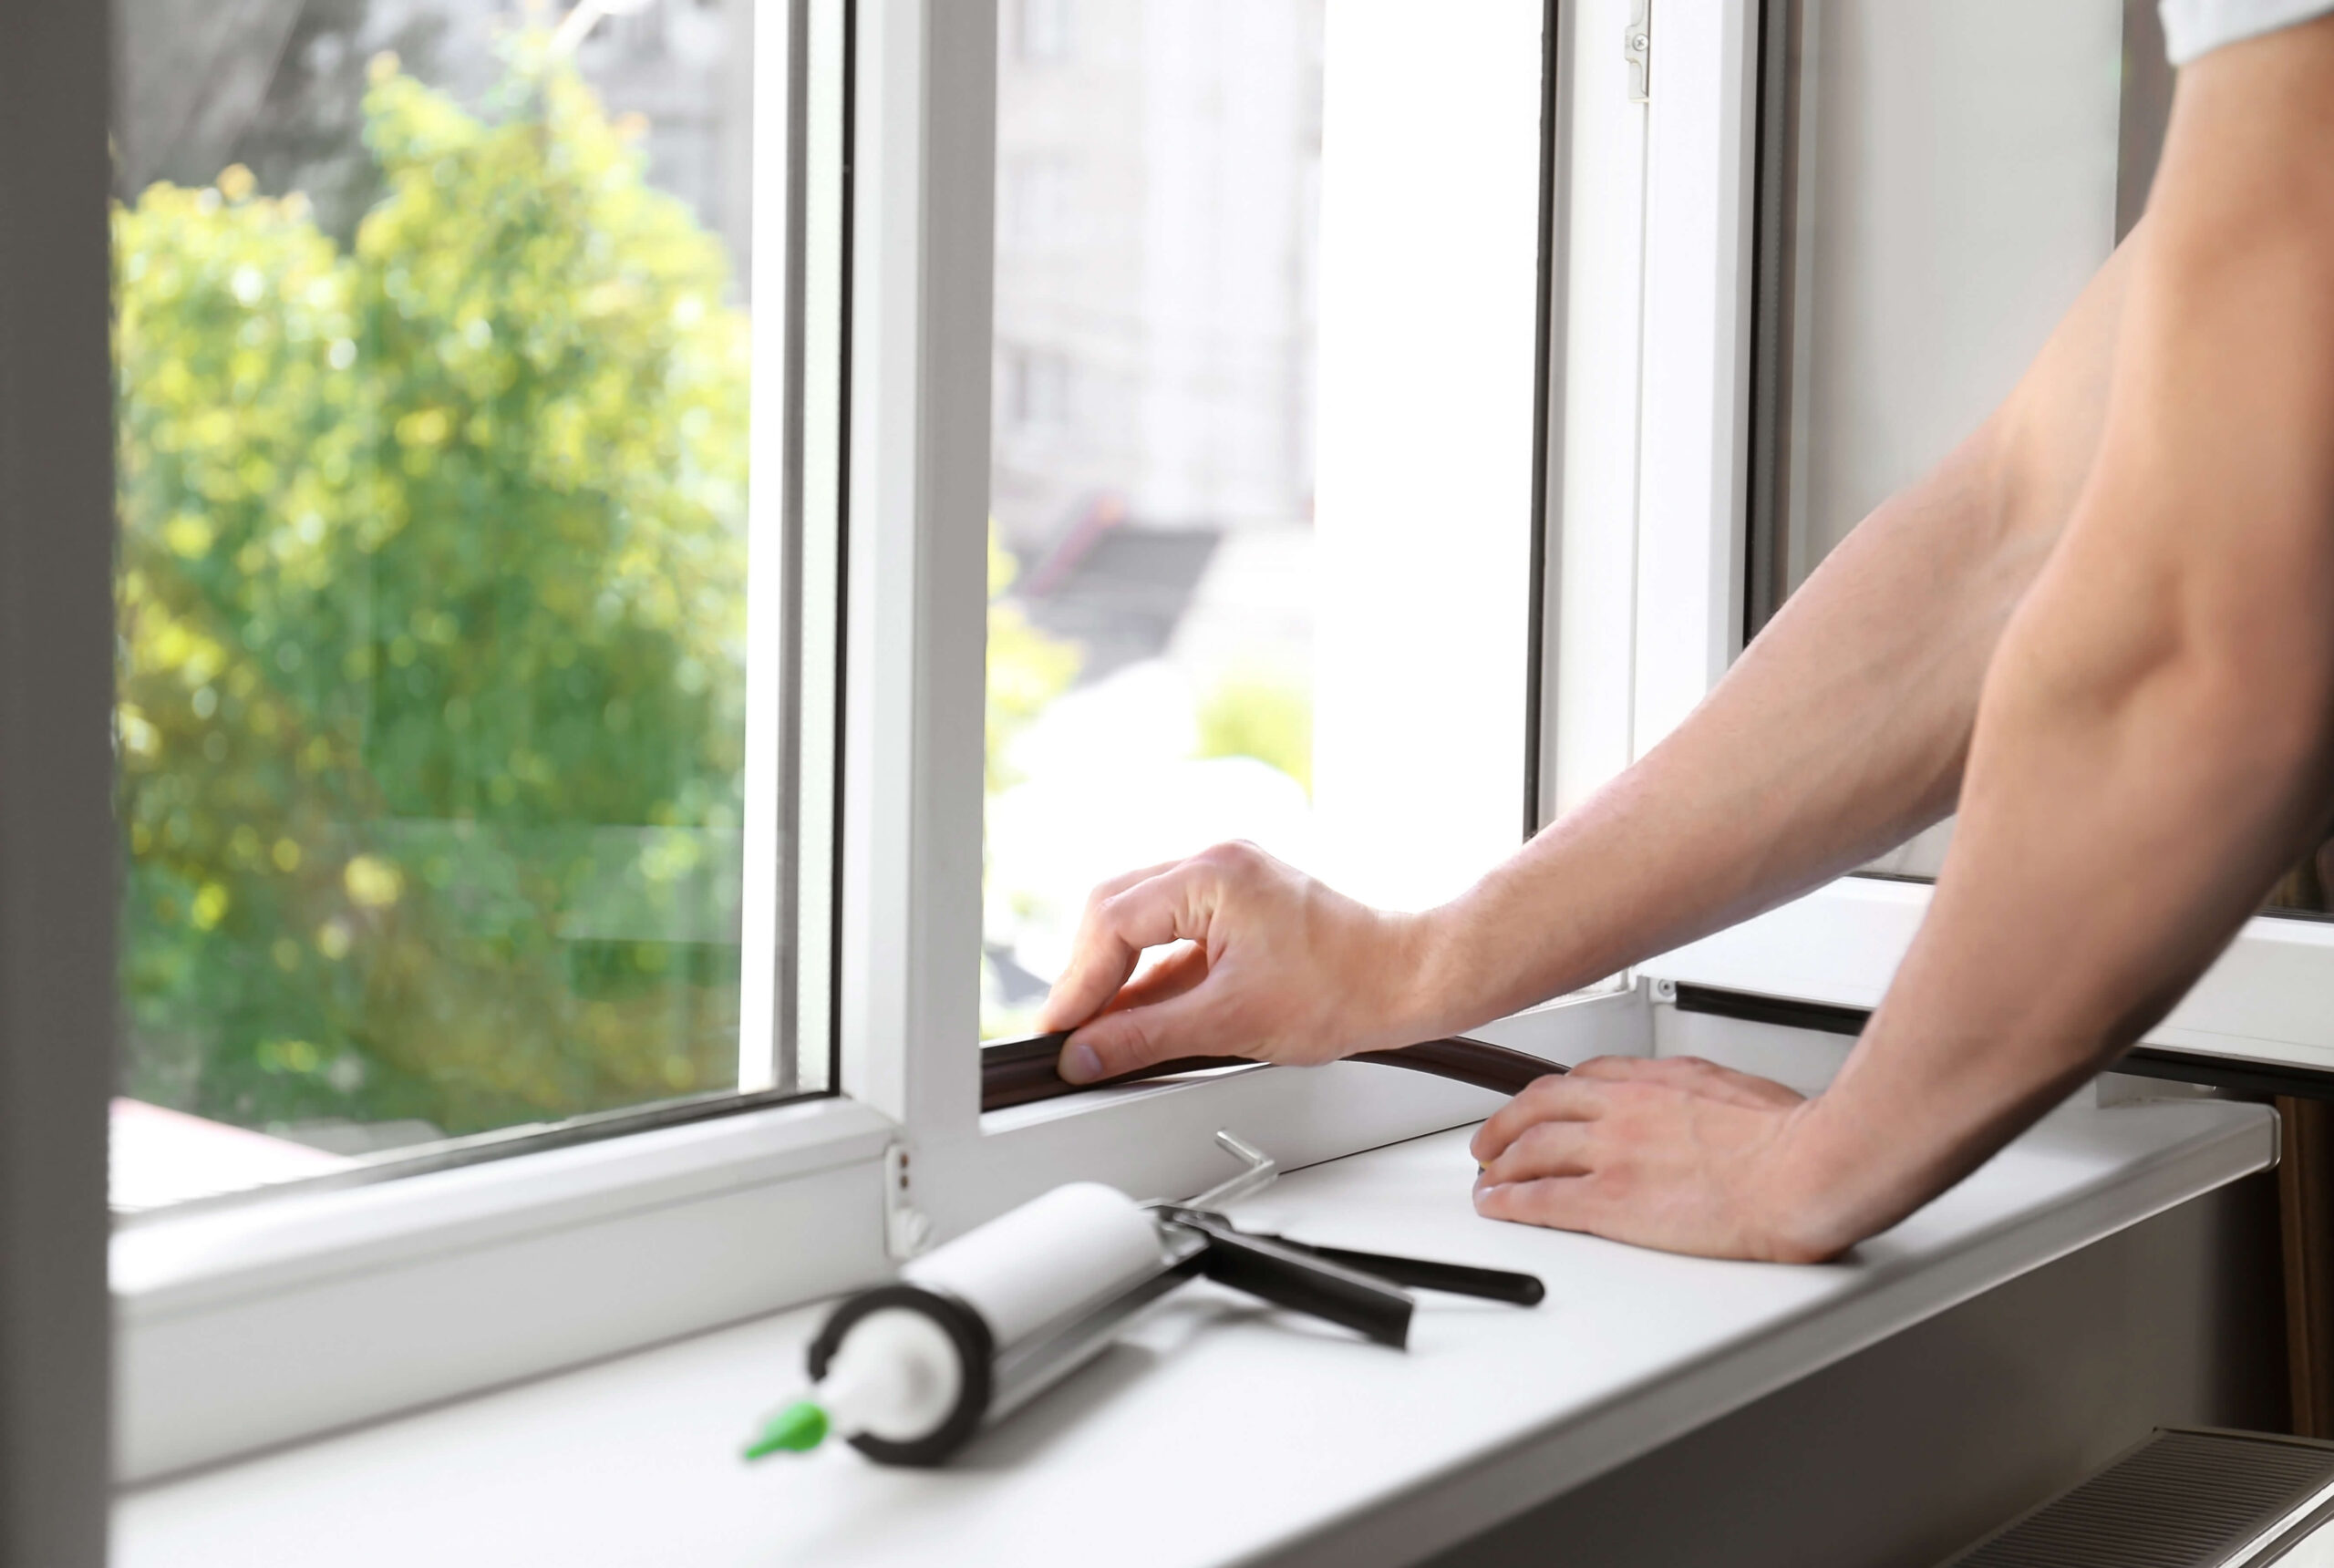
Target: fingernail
1080, 1064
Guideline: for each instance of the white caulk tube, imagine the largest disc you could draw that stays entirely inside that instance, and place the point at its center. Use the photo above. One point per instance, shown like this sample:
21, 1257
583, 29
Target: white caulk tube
1050, 1257
908, 1372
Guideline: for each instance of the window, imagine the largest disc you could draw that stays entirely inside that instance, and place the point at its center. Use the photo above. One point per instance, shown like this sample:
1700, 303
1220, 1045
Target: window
1313, 269
1269, 576
1388, 492
434, 354
1491, 315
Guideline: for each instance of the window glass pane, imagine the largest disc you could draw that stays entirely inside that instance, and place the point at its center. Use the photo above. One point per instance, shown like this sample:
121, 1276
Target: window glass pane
1261, 486
432, 338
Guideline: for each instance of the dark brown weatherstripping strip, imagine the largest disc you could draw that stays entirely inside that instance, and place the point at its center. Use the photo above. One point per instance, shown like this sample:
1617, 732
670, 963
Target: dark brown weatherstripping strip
1782, 1010
1018, 1072
2266, 1079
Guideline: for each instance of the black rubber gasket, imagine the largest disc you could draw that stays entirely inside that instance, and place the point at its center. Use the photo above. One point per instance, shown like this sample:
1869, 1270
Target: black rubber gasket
1016, 1072
2235, 1073
976, 1352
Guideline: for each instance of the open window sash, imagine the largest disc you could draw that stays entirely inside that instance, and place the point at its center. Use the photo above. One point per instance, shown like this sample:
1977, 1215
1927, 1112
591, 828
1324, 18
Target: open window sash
2262, 1004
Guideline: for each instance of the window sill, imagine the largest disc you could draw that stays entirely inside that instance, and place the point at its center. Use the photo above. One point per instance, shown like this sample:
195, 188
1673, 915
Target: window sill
256, 1325
1497, 1409
260, 1324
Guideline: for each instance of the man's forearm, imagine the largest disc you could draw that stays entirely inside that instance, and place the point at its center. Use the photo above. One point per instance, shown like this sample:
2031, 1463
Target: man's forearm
1840, 732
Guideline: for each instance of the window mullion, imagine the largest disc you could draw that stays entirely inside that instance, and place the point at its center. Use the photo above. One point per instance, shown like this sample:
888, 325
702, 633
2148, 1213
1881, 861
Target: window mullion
919, 469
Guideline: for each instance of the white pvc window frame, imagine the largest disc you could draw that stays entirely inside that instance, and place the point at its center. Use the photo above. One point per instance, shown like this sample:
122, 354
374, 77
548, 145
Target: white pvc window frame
256, 1325
1649, 536
2265, 1001
920, 426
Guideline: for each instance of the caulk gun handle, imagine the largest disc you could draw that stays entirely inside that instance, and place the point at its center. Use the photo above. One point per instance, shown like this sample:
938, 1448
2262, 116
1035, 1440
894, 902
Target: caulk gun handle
1285, 1276
1424, 1273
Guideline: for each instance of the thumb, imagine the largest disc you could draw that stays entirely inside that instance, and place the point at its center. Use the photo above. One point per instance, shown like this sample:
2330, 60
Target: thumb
1135, 1038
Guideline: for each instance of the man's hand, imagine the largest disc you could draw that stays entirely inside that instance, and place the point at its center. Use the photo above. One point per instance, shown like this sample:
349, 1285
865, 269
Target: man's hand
1675, 1153
1276, 966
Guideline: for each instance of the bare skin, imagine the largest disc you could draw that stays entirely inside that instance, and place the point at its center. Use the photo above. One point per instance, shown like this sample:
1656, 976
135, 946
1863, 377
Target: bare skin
2099, 627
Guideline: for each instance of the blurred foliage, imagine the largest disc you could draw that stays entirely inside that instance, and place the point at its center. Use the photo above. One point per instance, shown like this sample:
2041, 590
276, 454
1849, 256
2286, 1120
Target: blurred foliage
1268, 717
432, 625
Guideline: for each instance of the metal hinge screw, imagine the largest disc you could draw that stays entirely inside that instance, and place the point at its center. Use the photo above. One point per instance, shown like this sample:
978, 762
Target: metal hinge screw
1637, 47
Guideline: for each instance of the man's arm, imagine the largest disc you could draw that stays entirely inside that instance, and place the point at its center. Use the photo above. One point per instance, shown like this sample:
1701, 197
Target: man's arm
1840, 732
2155, 744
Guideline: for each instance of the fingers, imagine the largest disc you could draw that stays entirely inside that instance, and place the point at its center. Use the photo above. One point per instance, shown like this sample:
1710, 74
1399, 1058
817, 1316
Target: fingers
1633, 1153
1100, 956
1184, 966
1127, 1040
1586, 1093
1161, 1015
1694, 1076
1549, 1149
1566, 1098
1273, 967
1553, 1173
1560, 1203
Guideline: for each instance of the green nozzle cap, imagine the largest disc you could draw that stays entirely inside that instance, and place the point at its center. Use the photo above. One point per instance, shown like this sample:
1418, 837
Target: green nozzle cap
796, 1429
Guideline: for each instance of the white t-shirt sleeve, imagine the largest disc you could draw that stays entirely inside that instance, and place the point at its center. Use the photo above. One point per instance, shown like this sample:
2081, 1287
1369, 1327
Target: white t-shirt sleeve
2194, 27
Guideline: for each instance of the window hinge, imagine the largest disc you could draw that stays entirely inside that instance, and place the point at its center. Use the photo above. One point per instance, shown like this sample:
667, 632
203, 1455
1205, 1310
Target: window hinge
907, 1229
1637, 47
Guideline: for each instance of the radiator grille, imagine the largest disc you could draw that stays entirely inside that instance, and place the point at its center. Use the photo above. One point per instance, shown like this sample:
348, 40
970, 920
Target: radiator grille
2180, 1499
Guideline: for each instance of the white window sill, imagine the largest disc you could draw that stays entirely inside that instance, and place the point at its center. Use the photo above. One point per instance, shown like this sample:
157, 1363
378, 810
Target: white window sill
260, 1324
1218, 1432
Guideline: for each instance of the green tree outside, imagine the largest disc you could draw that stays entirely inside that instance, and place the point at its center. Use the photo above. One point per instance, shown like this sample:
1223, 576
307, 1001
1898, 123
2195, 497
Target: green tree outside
432, 617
